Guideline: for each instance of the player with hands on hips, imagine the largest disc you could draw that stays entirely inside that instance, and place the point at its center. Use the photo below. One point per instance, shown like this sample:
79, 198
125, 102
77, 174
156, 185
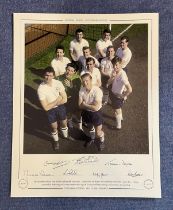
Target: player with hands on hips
121, 88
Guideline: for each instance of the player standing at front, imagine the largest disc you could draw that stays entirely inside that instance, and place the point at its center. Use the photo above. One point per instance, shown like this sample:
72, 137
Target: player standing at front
52, 97
72, 83
121, 88
90, 101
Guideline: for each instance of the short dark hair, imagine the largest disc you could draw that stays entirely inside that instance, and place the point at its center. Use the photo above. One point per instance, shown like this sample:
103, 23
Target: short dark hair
79, 30
85, 48
115, 60
59, 47
71, 65
107, 31
90, 59
110, 46
86, 75
125, 37
49, 69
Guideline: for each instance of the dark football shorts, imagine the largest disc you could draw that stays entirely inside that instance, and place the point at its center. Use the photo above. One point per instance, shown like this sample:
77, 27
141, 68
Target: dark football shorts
94, 118
57, 114
117, 103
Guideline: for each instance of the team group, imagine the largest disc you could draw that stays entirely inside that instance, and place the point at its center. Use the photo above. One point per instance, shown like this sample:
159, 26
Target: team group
80, 87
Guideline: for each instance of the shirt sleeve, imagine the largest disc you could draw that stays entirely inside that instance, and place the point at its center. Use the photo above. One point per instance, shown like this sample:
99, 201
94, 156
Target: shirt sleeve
67, 60
41, 94
53, 64
117, 52
102, 64
86, 43
127, 56
97, 64
81, 94
61, 86
71, 46
99, 95
98, 75
125, 80
98, 44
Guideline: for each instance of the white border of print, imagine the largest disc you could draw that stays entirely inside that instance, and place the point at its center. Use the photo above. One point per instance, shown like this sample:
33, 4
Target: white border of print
109, 174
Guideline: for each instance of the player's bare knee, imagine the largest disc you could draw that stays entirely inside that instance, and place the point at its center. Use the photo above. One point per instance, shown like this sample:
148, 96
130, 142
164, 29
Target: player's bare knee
99, 131
117, 112
63, 123
54, 127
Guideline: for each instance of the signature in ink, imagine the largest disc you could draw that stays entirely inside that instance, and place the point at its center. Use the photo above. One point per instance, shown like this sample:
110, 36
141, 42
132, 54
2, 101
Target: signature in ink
126, 163
112, 163
58, 164
71, 172
99, 174
86, 159
135, 174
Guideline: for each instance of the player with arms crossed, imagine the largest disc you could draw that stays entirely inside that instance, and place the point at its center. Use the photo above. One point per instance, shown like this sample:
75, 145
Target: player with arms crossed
52, 97
90, 101
121, 88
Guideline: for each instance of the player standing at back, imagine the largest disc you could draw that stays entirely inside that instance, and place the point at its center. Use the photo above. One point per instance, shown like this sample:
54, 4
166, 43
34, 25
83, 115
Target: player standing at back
121, 88
102, 44
124, 52
76, 45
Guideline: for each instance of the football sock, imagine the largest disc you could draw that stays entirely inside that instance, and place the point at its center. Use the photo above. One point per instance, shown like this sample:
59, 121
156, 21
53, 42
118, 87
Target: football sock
80, 123
118, 118
65, 132
92, 133
102, 137
55, 135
